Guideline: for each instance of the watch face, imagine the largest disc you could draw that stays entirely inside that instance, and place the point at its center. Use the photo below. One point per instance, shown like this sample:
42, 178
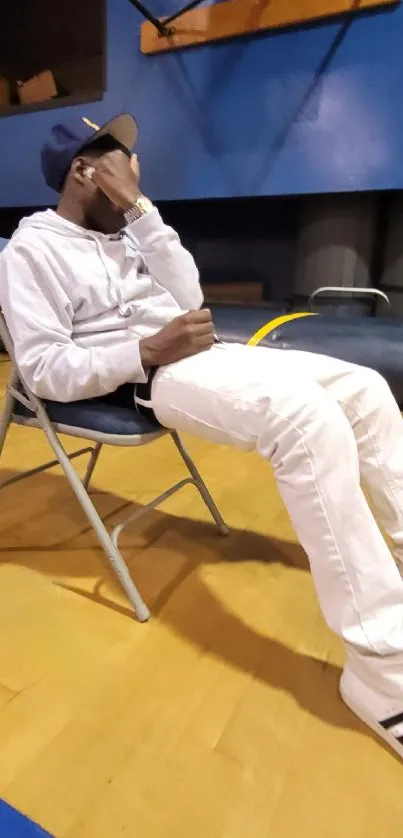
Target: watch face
141, 207
144, 204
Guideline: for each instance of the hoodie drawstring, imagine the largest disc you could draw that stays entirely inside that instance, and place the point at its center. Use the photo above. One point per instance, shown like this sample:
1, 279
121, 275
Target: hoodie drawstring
124, 309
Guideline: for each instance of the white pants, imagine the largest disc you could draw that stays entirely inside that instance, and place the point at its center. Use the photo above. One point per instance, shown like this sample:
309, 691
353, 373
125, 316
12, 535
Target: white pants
323, 424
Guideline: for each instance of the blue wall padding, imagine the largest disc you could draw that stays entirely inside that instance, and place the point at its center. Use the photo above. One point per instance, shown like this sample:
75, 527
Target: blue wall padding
305, 110
15, 825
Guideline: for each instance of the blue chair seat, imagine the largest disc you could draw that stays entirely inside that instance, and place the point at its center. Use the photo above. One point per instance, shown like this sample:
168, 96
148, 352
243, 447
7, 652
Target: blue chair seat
94, 415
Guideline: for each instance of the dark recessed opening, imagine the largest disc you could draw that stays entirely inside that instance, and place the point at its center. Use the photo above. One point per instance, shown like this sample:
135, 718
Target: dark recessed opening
51, 54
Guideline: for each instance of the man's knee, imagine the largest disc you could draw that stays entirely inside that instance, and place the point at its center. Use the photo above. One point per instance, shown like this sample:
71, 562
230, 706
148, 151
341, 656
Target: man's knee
373, 387
304, 430
307, 411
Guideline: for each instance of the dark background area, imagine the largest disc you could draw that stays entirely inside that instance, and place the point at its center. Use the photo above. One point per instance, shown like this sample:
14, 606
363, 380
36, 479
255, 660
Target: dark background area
246, 249
66, 38
234, 242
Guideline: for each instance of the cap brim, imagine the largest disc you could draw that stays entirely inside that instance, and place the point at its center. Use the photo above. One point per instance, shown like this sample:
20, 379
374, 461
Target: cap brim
122, 128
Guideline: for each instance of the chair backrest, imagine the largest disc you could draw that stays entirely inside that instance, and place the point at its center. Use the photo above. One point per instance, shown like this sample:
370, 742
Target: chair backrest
3, 243
5, 337
21, 393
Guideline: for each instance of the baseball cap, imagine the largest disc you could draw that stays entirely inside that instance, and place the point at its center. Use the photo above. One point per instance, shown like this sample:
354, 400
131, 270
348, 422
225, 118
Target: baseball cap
67, 139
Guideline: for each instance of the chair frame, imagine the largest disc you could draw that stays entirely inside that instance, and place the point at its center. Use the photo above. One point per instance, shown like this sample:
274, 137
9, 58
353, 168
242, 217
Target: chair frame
109, 540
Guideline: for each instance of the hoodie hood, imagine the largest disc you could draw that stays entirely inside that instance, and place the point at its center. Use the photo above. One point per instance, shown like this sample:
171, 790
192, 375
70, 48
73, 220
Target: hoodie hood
50, 221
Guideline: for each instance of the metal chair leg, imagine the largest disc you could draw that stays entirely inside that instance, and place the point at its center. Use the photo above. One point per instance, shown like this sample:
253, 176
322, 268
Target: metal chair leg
5, 418
111, 551
200, 484
91, 464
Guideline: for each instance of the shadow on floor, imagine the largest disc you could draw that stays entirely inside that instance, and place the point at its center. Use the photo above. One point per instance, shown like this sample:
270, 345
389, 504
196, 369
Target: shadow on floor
53, 538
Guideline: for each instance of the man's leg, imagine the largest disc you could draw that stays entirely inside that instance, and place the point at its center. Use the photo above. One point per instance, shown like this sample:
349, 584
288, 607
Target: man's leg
367, 401
263, 400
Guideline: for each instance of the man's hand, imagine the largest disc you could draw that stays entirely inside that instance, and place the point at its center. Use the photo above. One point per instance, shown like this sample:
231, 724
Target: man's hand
118, 177
187, 335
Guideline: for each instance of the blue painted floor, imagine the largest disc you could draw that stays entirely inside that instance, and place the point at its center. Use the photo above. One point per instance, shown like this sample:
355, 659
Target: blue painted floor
15, 825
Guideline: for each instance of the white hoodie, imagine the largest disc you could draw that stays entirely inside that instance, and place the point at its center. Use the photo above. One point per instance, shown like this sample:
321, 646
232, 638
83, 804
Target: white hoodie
78, 302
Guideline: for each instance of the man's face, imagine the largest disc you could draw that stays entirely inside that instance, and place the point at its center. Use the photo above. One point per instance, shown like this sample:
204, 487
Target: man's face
100, 213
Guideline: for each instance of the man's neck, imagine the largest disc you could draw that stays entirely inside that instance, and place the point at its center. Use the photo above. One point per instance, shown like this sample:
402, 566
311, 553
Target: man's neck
74, 214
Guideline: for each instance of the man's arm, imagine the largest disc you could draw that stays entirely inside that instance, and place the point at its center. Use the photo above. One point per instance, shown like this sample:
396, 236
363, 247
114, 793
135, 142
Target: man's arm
168, 262
39, 317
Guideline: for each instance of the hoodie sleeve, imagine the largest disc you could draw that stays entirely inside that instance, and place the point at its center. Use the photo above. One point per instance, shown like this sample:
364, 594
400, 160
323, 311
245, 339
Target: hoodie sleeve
39, 317
168, 262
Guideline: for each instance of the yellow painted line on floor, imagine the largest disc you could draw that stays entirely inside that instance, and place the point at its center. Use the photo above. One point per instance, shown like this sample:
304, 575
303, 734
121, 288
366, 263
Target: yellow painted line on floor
273, 324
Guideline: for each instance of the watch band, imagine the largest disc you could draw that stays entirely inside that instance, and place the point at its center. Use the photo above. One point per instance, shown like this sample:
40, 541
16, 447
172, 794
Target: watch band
141, 206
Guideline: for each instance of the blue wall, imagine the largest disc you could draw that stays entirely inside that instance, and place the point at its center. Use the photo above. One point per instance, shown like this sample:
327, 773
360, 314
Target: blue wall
234, 119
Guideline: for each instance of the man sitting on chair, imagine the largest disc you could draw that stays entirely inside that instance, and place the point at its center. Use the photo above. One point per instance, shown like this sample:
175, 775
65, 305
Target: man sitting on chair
101, 298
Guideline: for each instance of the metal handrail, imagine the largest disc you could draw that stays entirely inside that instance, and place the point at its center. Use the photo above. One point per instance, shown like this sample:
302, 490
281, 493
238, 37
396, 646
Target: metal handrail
336, 289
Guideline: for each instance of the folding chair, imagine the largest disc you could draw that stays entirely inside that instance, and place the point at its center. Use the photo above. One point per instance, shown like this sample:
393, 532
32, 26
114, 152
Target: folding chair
100, 423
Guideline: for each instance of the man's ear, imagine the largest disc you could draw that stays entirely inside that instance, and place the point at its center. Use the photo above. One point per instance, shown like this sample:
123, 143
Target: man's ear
78, 170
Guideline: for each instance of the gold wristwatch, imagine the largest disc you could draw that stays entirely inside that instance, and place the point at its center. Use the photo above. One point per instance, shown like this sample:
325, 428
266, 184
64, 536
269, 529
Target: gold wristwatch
141, 206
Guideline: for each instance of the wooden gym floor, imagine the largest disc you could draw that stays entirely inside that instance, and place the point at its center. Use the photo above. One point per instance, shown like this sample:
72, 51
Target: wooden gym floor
220, 717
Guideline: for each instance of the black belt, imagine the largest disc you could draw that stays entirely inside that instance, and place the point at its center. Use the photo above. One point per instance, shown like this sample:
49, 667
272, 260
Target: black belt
142, 396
